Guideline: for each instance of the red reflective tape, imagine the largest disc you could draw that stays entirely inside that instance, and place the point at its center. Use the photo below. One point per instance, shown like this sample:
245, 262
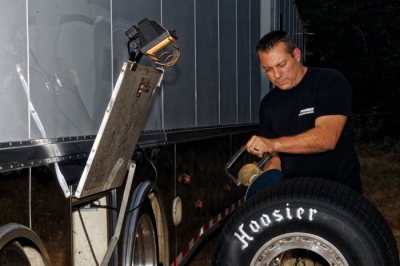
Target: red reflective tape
215, 219
206, 226
197, 236
185, 251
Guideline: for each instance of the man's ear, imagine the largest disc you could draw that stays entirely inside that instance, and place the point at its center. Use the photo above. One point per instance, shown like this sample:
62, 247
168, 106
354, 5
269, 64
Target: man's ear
297, 54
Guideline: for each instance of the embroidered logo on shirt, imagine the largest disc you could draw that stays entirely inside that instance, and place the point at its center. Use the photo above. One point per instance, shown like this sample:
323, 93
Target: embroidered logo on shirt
306, 111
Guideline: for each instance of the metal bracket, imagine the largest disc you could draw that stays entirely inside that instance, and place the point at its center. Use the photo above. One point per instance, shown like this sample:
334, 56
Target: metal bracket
143, 86
121, 215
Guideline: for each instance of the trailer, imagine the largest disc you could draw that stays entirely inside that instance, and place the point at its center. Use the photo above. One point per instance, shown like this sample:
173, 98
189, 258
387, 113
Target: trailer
75, 155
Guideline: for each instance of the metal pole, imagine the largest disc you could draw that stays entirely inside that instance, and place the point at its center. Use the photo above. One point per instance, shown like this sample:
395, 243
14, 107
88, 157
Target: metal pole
121, 216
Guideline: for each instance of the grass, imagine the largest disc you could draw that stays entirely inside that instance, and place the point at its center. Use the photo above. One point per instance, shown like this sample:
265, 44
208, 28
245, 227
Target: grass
380, 173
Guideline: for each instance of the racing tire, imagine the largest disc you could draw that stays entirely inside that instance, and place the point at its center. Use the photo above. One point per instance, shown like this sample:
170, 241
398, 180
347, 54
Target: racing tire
13, 254
306, 221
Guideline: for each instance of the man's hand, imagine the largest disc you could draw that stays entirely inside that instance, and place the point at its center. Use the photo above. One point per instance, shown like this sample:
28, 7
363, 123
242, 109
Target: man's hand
258, 146
323, 137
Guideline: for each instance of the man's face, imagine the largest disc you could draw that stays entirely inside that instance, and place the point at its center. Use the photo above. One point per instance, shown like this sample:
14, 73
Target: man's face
281, 68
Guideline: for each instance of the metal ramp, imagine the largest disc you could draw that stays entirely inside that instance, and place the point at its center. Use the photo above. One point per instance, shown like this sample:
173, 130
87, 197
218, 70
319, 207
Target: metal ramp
120, 129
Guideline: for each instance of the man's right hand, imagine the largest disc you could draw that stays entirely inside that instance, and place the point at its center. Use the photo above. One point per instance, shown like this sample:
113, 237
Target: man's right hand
258, 146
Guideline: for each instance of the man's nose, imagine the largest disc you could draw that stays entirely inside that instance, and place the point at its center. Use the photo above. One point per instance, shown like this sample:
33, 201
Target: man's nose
277, 74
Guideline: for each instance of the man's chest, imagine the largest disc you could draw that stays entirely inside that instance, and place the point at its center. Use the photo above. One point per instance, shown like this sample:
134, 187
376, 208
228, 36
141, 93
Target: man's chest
293, 115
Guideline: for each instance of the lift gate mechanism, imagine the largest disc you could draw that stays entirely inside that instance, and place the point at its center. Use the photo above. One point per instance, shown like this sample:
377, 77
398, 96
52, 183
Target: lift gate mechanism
125, 116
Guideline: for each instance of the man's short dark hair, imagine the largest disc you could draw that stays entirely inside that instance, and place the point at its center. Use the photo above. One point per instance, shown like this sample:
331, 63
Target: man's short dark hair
269, 40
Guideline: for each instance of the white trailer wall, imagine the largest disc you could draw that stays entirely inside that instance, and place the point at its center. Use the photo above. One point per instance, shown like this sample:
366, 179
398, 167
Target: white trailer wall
60, 59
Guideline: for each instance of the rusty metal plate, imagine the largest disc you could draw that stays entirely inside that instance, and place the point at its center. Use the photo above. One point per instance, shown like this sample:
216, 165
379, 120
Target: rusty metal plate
119, 131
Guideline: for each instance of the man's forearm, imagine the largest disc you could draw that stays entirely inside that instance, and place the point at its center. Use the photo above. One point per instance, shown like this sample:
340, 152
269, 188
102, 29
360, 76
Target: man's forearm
323, 137
311, 141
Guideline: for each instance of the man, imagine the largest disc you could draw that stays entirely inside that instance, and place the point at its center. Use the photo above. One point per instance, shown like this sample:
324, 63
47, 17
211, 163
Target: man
306, 121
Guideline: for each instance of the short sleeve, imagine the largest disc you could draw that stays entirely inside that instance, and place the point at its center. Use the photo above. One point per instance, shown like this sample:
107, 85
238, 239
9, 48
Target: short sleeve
265, 129
334, 96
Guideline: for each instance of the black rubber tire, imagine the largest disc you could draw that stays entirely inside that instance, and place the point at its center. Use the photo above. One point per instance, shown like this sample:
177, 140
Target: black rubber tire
140, 244
277, 220
12, 255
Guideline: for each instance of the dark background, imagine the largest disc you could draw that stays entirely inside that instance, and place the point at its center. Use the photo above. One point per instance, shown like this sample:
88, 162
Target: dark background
362, 40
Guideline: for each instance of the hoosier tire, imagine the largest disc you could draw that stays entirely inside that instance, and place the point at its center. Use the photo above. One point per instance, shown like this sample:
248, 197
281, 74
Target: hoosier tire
306, 221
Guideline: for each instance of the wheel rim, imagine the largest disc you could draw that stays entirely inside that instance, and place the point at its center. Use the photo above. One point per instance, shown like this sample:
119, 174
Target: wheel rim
145, 243
273, 252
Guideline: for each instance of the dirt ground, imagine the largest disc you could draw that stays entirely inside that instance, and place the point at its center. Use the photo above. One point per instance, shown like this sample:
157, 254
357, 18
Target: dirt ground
204, 255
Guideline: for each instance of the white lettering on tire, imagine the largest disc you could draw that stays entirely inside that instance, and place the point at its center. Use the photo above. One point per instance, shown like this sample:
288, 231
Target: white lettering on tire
266, 221
243, 236
299, 212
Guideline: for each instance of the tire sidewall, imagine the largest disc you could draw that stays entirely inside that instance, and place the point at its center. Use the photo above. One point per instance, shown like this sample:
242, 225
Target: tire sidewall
296, 215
